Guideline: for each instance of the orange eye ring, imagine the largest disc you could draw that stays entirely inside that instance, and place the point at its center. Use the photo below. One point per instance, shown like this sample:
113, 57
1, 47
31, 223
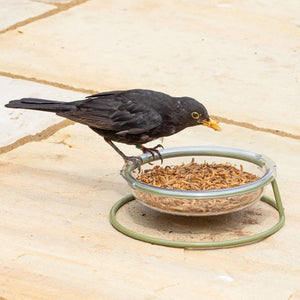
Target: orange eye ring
195, 115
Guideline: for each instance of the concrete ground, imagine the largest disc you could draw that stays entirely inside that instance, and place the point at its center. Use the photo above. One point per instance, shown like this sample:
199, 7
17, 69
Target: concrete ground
59, 180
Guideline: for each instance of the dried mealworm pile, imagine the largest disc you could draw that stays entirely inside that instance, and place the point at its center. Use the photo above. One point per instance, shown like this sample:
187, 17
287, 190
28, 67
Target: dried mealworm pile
197, 177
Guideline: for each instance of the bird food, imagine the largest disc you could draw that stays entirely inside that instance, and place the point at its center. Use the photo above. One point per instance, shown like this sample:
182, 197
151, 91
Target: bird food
197, 177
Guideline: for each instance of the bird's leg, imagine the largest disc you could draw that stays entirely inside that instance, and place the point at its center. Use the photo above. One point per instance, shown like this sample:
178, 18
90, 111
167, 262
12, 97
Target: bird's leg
152, 151
136, 160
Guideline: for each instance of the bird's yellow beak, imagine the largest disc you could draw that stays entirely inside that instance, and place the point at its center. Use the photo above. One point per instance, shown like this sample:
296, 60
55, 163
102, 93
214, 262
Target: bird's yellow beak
212, 124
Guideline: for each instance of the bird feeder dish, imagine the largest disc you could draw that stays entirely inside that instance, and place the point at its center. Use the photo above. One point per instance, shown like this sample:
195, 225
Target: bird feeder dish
203, 203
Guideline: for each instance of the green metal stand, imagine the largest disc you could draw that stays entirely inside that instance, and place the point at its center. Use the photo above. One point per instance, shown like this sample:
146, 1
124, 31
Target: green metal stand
277, 204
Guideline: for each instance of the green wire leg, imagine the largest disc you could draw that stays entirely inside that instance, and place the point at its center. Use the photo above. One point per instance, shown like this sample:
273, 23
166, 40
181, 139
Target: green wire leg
277, 204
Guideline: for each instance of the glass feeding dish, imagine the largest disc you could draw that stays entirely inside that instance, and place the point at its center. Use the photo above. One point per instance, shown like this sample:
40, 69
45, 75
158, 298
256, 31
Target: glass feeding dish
208, 202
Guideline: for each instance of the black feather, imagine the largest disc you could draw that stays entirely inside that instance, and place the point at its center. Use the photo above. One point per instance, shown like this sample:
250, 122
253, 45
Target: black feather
40, 104
132, 117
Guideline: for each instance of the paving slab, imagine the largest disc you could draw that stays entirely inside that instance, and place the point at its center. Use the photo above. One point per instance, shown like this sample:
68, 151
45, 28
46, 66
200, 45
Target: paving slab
15, 11
19, 123
240, 60
55, 202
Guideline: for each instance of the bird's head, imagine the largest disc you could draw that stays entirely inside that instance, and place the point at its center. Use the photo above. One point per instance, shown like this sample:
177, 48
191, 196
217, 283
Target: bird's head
196, 114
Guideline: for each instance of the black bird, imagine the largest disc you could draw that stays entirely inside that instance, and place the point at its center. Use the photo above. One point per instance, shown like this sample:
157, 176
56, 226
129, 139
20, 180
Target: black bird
132, 117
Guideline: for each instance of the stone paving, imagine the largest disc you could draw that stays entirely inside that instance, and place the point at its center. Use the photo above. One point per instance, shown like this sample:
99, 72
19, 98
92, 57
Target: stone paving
59, 180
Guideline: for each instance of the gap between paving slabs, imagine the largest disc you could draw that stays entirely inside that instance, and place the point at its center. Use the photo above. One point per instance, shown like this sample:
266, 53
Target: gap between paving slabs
60, 7
46, 133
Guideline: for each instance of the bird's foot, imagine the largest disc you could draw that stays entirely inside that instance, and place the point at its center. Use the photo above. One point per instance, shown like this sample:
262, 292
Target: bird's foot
153, 151
135, 160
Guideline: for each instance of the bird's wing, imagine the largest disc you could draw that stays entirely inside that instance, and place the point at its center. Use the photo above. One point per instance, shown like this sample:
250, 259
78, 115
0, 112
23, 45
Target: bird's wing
104, 94
115, 111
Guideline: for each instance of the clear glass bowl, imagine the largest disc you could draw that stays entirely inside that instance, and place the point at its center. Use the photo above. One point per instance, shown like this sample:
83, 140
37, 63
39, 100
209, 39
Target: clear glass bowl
203, 203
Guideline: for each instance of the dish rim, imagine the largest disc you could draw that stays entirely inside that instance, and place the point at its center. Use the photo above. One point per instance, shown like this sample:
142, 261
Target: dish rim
261, 160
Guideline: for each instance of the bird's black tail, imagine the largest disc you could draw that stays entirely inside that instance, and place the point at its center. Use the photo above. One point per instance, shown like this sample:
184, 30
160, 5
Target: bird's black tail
41, 104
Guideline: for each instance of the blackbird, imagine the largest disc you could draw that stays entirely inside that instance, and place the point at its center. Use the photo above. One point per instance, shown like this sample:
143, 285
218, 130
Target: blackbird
132, 117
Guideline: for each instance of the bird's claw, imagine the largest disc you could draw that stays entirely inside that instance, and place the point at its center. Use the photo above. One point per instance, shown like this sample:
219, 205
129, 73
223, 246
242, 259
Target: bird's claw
135, 160
153, 151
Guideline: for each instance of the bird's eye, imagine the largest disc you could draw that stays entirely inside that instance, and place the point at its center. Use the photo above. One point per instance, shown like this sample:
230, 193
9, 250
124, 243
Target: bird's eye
195, 115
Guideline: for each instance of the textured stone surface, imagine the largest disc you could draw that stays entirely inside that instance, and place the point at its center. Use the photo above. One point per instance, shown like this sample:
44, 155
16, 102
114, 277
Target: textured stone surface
241, 60
14, 11
55, 202
18, 123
